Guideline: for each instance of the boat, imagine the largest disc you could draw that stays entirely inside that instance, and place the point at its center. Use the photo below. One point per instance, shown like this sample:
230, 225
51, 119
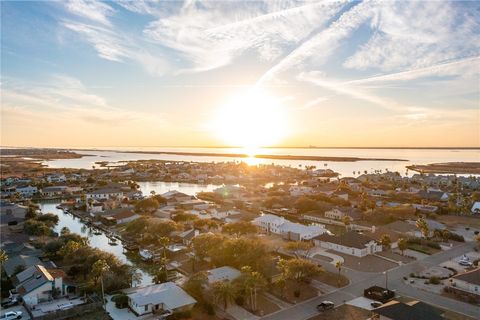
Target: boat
130, 247
146, 255
112, 242
97, 232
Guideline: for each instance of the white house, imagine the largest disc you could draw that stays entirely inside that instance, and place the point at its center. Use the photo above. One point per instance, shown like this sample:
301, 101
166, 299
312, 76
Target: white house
104, 194
224, 273
54, 191
53, 178
468, 281
287, 229
352, 243
158, 297
26, 191
36, 284
296, 191
125, 216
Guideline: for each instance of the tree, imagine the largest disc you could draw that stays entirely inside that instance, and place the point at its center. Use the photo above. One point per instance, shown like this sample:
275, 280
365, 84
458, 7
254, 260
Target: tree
161, 276
402, 245
223, 292
386, 241
298, 246
252, 282
3, 257
99, 268
422, 225
207, 224
300, 270
346, 221
281, 283
239, 228
339, 265
147, 205
204, 243
195, 285
305, 204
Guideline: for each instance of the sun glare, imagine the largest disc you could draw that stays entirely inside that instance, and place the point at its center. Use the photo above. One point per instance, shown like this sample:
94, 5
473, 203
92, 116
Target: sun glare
251, 120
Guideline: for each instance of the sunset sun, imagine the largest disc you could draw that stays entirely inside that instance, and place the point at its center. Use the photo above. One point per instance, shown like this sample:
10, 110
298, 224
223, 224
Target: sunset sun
250, 120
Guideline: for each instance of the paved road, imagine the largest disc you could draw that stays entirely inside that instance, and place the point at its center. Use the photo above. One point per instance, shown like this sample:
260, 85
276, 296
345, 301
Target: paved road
363, 280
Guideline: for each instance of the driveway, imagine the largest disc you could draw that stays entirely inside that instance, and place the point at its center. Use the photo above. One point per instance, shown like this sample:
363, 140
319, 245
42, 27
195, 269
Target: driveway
317, 251
25, 315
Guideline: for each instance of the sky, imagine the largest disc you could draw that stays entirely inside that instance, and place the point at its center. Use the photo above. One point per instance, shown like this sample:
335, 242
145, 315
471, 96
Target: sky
224, 73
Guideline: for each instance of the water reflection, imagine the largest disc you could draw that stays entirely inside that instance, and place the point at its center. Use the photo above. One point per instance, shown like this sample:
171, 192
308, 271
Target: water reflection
98, 240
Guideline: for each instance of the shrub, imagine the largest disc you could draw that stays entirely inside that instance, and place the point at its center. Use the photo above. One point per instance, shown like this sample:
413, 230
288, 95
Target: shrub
434, 280
296, 293
239, 300
187, 314
209, 308
121, 301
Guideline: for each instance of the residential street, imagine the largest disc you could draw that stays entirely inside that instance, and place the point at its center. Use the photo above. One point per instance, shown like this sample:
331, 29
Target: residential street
363, 280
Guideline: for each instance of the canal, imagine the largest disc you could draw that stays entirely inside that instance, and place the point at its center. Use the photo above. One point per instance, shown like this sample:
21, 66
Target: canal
101, 241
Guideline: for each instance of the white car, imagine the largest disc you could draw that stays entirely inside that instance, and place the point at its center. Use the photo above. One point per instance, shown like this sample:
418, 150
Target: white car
465, 263
11, 315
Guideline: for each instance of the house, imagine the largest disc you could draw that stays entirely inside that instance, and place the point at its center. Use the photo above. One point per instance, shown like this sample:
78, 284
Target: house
229, 191
351, 243
377, 233
340, 213
12, 210
402, 227
105, 193
54, 178
292, 231
468, 281
296, 191
26, 191
157, 297
415, 310
435, 195
36, 284
125, 216
187, 236
476, 208
225, 273
54, 191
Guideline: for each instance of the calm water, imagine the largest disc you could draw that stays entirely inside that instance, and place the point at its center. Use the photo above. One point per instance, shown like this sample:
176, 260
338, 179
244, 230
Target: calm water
97, 241
414, 156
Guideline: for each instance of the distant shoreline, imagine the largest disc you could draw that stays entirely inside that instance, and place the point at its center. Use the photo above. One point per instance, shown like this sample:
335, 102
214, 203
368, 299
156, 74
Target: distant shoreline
263, 156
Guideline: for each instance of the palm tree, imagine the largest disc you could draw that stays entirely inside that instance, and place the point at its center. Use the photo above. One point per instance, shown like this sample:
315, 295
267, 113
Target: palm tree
281, 283
339, 265
98, 270
224, 292
422, 225
164, 241
3, 257
386, 241
346, 221
402, 244
253, 281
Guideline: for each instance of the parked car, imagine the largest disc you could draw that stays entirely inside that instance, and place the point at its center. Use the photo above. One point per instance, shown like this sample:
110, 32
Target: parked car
465, 263
325, 305
10, 302
11, 315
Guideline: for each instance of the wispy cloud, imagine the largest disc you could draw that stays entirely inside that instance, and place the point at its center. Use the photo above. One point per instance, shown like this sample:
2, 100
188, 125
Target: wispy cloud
91, 9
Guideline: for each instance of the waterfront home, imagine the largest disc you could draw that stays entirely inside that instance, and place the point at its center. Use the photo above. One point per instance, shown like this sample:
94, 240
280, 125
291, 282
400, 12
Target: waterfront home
467, 282
270, 223
105, 193
230, 191
54, 191
351, 243
36, 284
297, 191
434, 195
125, 216
224, 273
27, 191
159, 297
